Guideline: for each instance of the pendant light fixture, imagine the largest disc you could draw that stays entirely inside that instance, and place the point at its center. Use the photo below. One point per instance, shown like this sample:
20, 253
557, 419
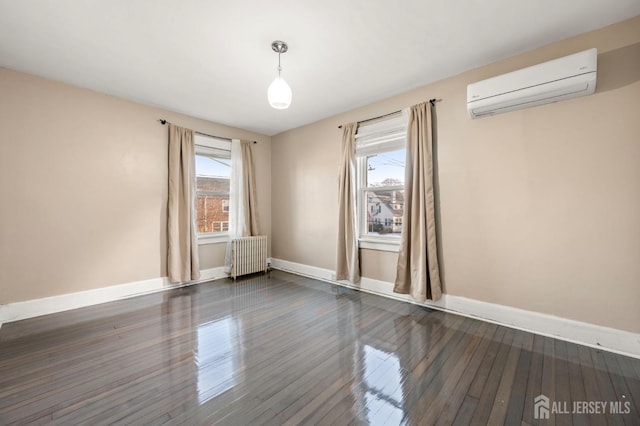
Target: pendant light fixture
279, 92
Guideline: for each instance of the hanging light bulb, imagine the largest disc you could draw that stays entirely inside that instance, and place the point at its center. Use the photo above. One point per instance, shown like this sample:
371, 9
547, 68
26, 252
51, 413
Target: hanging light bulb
279, 92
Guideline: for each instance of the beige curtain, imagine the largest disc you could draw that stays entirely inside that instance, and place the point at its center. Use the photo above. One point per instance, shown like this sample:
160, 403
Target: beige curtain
417, 271
182, 253
348, 263
250, 216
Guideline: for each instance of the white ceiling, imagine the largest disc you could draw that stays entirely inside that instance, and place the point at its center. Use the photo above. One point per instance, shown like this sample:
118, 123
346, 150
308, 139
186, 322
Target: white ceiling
212, 59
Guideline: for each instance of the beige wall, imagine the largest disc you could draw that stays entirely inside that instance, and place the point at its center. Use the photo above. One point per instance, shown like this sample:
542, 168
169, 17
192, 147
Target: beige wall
84, 188
540, 207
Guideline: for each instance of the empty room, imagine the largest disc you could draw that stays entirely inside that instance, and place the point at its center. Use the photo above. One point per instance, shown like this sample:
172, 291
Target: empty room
320, 212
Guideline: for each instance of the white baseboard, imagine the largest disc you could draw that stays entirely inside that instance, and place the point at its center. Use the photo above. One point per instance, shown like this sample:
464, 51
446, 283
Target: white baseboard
596, 336
211, 274
64, 302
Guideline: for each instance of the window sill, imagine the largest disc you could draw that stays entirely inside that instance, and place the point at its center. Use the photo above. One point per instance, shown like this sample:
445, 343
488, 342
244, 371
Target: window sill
213, 238
380, 244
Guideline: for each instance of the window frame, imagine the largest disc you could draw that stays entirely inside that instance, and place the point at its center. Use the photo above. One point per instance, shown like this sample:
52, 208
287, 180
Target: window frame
394, 128
216, 148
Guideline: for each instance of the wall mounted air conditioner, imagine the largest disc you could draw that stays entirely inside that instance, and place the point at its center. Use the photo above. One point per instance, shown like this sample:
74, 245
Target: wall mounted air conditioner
556, 80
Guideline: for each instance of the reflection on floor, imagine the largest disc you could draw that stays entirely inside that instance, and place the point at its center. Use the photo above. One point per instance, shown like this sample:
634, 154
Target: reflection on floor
216, 358
288, 349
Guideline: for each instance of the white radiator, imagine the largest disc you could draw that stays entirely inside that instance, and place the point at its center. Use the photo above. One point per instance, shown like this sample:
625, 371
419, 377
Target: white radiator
248, 255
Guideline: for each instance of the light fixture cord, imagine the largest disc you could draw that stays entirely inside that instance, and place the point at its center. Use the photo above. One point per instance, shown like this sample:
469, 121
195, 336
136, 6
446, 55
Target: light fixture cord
279, 67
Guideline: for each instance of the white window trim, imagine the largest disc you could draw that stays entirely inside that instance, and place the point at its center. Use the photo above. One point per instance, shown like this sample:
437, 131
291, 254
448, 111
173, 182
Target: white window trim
388, 130
205, 145
213, 238
371, 242
361, 202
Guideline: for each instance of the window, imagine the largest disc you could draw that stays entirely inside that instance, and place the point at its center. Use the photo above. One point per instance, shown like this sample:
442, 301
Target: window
213, 183
380, 160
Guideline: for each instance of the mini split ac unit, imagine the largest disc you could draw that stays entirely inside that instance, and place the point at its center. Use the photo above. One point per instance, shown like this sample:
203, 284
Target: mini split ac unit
556, 80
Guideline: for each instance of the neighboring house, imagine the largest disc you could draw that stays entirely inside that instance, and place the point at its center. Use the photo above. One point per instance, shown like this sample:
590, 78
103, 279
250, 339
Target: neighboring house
213, 203
384, 211
385, 208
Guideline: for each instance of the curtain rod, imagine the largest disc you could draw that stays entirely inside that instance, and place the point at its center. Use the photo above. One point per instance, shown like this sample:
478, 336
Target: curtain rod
163, 122
431, 101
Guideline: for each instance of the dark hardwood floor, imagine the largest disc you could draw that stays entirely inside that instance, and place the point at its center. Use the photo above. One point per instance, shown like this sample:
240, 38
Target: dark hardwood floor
291, 350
